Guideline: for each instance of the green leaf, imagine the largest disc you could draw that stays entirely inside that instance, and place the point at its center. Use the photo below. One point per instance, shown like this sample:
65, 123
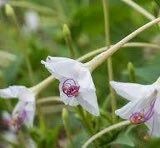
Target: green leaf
125, 139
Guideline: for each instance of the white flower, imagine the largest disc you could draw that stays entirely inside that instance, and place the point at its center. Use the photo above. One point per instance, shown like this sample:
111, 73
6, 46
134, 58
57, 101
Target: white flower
3, 2
76, 85
31, 21
143, 106
24, 111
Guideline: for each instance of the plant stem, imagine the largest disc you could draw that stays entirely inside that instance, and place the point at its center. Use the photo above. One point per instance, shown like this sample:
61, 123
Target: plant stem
31, 5
68, 39
131, 72
42, 85
131, 44
109, 60
65, 118
138, 8
85, 121
49, 100
104, 131
98, 60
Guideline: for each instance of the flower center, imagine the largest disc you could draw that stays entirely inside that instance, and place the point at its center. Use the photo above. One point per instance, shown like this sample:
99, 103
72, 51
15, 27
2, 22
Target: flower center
70, 88
18, 120
142, 116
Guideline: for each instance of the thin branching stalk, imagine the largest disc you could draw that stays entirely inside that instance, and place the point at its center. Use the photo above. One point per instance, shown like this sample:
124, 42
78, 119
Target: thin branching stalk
49, 100
109, 60
98, 60
131, 44
104, 131
68, 39
36, 7
42, 85
139, 9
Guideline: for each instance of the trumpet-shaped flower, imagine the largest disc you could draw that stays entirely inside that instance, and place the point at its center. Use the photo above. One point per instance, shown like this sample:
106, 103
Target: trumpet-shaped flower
24, 111
76, 85
3, 2
143, 106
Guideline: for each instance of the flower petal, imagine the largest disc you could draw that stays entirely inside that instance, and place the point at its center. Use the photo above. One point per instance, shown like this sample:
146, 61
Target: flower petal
63, 67
28, 108
88, 100
132, 91
136, 106
157, 104
11, 92
154, 125
26, 95
84, 79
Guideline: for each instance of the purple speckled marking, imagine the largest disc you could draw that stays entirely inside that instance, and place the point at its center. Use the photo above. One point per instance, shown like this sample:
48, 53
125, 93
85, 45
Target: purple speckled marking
70, 88
19, 120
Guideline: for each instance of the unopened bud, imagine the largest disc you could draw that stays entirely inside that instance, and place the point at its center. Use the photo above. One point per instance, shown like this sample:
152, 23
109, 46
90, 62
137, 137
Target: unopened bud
9, 10
131, 71
66, 31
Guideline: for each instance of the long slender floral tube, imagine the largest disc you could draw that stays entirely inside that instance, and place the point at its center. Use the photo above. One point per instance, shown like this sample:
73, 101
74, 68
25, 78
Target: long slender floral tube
105, 4
104, 131
131, 44
138, 8
36, 7
42, 85
98, 60
49, 100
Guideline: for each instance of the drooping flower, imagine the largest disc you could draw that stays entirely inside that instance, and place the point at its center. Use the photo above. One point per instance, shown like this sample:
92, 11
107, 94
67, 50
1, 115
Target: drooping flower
76, 85
24, 111
3, 2
31, 21
143, 106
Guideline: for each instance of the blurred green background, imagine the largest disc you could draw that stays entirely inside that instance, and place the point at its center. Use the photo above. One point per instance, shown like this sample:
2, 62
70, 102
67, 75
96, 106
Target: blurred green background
86, 22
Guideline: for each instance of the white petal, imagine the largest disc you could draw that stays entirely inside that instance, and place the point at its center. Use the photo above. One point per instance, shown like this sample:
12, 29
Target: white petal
72, 101
84, 79
63, 67
11, 92
26, 95
136, 106
157, 103
132, 91
29, 108
88, 100
154, 125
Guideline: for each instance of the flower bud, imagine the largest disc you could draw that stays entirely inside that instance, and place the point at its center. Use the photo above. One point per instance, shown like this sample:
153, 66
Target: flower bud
131, 71
66, 31
9, 10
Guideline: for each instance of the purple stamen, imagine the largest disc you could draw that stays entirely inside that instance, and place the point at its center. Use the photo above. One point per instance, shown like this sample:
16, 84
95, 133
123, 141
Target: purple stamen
17, 121
70, 88
141, 117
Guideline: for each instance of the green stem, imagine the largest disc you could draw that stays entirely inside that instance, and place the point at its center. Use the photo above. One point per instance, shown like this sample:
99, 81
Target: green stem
109, 60
29, 67
85, 121
42, 85
131, 71
99, 59
65, 118
130, 44
139, 9
31, 5
68, 39
104, 131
